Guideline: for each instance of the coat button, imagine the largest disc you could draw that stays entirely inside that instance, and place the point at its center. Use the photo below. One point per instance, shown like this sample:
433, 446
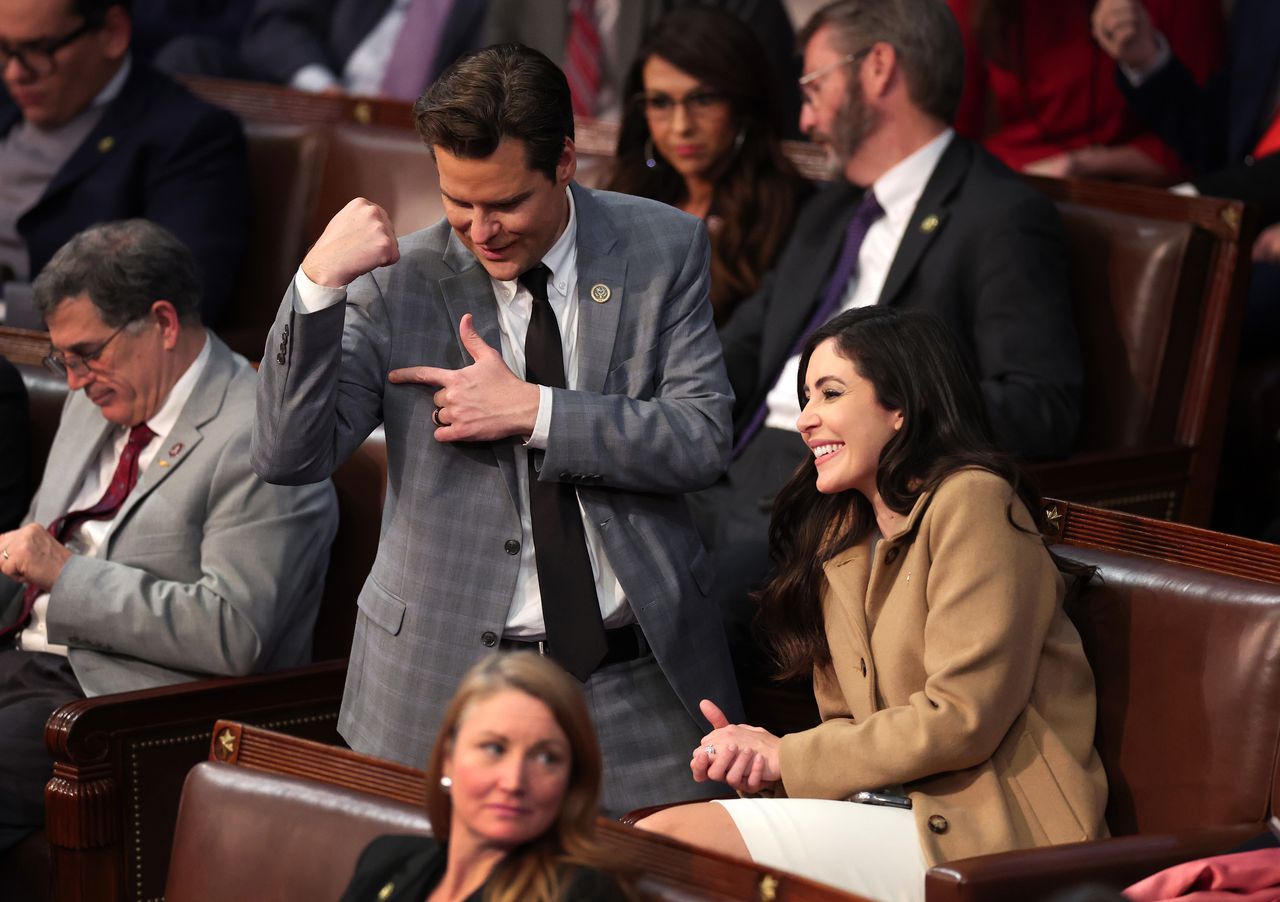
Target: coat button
488, 639
512, 546
938, 823
862, 662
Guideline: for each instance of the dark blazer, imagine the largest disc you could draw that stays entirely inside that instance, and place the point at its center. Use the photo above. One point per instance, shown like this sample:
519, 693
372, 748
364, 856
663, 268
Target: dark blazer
412, 866
160, 153
994, 267
285, 35
1219, 124
15, 447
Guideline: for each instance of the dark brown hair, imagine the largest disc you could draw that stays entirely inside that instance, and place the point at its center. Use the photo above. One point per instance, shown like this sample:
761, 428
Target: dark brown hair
915, 366
536, 870
756, 187
503, 91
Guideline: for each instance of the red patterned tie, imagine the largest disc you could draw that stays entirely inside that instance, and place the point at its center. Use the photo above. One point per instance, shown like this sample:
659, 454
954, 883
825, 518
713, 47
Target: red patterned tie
1269, 143
582, 54
122, 483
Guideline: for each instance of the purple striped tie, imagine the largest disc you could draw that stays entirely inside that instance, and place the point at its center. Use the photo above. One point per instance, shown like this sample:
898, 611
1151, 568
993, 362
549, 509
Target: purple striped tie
868, 211
582, 55
413, 58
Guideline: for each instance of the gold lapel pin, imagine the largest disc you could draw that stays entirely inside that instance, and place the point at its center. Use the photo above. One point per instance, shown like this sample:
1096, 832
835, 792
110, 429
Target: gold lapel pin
600, 292
106, 143
929, 224
162, 462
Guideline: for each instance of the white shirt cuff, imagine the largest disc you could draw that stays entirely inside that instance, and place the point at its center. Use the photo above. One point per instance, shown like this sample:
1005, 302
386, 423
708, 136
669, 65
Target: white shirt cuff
312, 298
313, 77
1163, 55
1186, 189
542, 425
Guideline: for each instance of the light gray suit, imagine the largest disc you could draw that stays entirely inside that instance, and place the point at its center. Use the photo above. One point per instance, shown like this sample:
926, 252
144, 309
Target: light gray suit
648, 422
207, 570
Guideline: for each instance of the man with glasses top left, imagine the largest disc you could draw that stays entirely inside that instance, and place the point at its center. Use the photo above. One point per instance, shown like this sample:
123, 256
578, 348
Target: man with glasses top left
88, 134
152, 553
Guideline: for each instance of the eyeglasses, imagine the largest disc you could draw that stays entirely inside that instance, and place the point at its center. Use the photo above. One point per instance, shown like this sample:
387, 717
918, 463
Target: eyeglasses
60, 362
809, 81
695, 103
36, 57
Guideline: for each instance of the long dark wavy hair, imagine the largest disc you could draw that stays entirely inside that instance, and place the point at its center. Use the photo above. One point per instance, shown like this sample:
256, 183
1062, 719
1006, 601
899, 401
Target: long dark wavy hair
757, 188
916, 367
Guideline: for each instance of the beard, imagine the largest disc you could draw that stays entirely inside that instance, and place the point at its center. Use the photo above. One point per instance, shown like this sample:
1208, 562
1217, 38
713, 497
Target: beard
853, 124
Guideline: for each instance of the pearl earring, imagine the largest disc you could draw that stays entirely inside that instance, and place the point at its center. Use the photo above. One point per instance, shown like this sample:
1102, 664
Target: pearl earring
446, 783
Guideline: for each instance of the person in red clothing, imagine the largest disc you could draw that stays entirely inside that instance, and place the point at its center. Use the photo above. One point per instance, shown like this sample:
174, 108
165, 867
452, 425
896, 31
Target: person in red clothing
1041, 94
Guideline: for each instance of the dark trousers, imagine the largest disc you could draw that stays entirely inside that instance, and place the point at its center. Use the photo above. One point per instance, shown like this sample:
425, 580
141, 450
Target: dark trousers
32, 686
732, 517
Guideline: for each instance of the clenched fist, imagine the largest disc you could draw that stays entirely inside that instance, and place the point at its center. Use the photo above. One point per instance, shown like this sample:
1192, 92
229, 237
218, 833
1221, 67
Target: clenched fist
357, 240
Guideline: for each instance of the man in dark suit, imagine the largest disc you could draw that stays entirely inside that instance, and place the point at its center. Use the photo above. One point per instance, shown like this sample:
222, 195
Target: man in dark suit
921, 218
345, 46
87, 134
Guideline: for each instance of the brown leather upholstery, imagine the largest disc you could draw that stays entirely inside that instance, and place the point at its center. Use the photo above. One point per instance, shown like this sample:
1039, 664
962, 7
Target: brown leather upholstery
1138, 275
245, 834
281, 818
391, 167
285, 161
46, 394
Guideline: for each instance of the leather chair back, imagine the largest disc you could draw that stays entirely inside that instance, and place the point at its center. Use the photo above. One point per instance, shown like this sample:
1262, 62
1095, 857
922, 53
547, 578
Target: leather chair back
288, 838
1141, 280
389, 166
1187, 666
46, 393
285, 160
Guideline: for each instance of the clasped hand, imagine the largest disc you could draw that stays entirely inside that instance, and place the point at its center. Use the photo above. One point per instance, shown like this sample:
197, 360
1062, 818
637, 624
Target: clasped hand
29, 554
744, 757
480, 402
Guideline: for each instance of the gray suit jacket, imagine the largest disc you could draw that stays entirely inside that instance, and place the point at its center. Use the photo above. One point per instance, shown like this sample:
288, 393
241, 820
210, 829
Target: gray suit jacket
649, 423
208, 569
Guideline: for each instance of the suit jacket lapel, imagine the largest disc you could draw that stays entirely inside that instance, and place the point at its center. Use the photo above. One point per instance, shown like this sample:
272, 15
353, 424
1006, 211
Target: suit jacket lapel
201, 407
470, 291
597, 320
929, 217
118, 118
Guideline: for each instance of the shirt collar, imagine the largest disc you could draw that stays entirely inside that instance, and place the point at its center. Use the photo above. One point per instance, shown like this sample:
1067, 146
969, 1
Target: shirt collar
164, 419
559, 259
899, 189
111, 90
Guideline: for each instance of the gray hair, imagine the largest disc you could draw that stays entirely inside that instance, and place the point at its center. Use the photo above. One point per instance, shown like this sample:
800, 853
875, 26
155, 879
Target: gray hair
924, 33
124, 267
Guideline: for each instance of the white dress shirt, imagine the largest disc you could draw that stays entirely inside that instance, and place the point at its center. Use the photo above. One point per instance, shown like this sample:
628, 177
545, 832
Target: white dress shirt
515, 305
91, 536
898, 190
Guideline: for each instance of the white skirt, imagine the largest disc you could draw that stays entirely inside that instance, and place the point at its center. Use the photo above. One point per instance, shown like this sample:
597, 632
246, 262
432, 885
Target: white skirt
870, 850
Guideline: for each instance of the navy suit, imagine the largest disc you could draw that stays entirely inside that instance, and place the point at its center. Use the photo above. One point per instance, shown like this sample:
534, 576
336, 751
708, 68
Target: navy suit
159, 153
1217, 125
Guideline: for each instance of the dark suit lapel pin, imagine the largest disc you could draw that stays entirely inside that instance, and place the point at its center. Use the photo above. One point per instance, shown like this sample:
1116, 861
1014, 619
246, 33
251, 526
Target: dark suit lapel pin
600, 293
176, 449
930, 224
105, 143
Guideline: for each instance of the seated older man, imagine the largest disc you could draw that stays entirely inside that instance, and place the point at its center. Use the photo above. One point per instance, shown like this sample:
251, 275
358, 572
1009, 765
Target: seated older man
152, 553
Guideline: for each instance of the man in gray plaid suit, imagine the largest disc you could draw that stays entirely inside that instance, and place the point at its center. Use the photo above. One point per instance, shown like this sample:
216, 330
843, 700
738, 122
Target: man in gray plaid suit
436, 336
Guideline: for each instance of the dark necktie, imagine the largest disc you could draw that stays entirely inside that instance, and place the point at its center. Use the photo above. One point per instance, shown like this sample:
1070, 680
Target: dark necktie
867, 212
575, 634
122, 483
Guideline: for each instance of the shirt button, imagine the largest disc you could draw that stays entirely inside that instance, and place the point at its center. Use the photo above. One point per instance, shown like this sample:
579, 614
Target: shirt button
938, 823
488, 639
512, 546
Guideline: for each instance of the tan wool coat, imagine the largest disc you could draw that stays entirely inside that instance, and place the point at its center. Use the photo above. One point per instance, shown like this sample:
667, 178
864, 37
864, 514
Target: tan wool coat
955, 674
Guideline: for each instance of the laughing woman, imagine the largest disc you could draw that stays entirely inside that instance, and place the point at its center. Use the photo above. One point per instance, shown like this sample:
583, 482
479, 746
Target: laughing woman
913, 584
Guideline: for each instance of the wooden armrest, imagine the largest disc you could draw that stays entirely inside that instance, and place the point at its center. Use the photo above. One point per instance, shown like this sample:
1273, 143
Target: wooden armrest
119, 763
1038, 873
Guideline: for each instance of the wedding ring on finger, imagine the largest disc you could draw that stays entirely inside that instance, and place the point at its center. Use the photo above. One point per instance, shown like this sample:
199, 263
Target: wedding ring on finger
709, 751
5, 554
435, 417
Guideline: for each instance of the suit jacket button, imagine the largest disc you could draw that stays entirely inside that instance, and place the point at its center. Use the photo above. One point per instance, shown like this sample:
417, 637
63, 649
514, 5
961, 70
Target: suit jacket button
938, 823
512, 546
488, 639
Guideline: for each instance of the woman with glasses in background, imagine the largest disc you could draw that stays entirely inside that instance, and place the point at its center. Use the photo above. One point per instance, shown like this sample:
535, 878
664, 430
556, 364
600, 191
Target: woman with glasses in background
701, 132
